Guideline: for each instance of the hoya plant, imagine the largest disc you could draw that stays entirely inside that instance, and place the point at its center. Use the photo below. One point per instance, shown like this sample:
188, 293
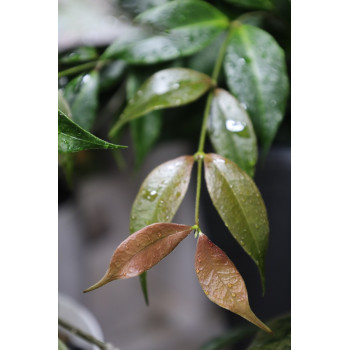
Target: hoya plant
218, 58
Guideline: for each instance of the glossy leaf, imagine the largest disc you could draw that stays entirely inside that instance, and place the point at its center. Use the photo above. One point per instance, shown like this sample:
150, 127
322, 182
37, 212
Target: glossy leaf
142, 250
80, 54
73, 138
63, 104
221, 281
82, 96
144, 131
279, 340
240, 205
256, 4
256, 74
231, 131
135, 7
167, 88
161, 193
179, 28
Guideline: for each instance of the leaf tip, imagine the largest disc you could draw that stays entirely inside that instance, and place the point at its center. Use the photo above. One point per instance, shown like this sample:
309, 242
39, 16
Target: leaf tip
104, 280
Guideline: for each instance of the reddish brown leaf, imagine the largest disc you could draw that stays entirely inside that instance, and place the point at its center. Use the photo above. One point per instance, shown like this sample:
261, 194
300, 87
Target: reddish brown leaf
142, 250
221, 281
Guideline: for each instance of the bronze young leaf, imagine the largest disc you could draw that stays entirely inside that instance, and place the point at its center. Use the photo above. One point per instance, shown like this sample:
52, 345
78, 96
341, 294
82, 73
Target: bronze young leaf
221, 281
240, 205
142, 250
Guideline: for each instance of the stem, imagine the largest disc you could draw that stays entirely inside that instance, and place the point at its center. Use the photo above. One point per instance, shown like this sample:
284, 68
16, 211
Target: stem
199, 155
89, 338
81, 68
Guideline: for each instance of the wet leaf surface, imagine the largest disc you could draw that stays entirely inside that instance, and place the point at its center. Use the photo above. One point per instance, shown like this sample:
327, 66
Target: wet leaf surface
111, 74
73, 138
80, 54
231, 131
82, 95
240, 205
142, 250
178, 28
167, 88
256, 74
279, 340
161, 193
221, 281
144, 131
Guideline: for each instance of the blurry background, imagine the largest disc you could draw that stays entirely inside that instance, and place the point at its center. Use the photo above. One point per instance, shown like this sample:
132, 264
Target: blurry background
93, 214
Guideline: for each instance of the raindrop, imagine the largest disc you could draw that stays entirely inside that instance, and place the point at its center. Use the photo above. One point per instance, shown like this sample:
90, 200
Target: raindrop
197, 270
244, 105
151, 196
241, 61
230, 285
86, 78
235, 126
233, 294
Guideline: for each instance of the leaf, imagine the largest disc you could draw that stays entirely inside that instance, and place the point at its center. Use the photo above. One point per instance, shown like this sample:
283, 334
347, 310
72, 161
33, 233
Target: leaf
63, 104
228, 339
179, 28
256, 74
80, 54
82, 95
231, 131
221, 281
257, 4
144, 131
142, 250
240, 205
279, 340
138, 6
111, 74
161, 193
166, 88
73, 138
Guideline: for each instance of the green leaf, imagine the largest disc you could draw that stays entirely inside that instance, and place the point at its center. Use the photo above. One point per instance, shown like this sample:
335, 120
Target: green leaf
111, 74
167, 88
179, 28
161, 193
142, 250
279, 340
73, 138
256, 4
80, 54
256, 74
82, 95
228, 339
221, 281
63, 104
231, 131
240, 205
144, 131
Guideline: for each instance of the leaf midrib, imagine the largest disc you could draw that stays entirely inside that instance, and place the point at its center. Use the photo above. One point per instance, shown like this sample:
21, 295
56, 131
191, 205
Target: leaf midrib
241, 209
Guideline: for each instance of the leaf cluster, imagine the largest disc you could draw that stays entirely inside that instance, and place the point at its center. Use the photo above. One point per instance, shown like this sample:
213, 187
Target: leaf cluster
246, 96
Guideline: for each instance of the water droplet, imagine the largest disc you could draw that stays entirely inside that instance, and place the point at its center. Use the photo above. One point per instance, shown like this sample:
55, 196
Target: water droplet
178, 194
206, 292
230, 285
235, 125
241, 61
86, 78
244, 105
151, 196
233, 294
197, 270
